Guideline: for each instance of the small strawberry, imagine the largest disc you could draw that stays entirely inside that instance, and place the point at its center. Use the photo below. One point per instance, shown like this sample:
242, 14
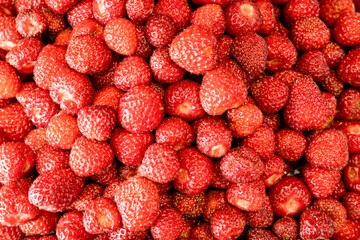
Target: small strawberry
106, 78
10, 83
348, 105
44, 223
178, 10
267, 11
211, 16
264, 217
333, 54
262, 141
339, 190
332, 84
160, 30
31, 23
288, 76
274, 170
218, 179
35, 139
90, 192
335, 210
107, 11
296, 9
223, 48
60, 6
108, 96
286, 228
351, 131
202, 231
107, 175
346, 29
144, 48
348, 68
313, 63
331, 10
161, 228
139, 11
55, 21
314, 223
49, 159
351, 174
272, 120
215, 199
80, 11
290, 144
71, 226
189, 206
9, 36
88, 26
351, 202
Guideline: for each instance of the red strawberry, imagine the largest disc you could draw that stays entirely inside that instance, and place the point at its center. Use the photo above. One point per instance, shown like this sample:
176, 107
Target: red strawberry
349, 105
250, 51
305, 109
49, 159
260, 233
80, 11
141, 109
13, 233
274, 169
215, 199
349, 68
88, 157
289, 197
339, 190
218, 179
351, 130
310, 33
335, 210
101, 215
211, 16
56, 22
108, 96
107, 11
89, 27
35, 139
262, 141
144, 48
88, 54
351, 173
9, 36
351, 202
223, 48
107, 175
290, 144
351, 231
62, 131
60, 6
14, 122
264, 217
178, 10
243, 17
346, 29
160, 30
332, 84
139, 11
97, 122
195, 173
44, 223
55, 191
328, 150
202, 231
331, 10
333, 54
120, 35
189, 206
70, 226
288, 76
90, 192
138, 211
31, 23
286, 228
131, 72
227, 223
175, 132
10, 83
106, 78
182, 100
161, 229
272, 120
296, 9
267, 11
314, 223
125, 234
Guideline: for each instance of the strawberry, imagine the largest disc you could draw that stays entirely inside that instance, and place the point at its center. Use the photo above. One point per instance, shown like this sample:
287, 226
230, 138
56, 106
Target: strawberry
175, 132
49, 159
55, 21
320, 154
121, 36
351, 202
62, 131
339, 190
262, 141
189, 206
130, 147
313, 63
125, 234
223, 48
14, 122
288, 76
347, 71
106, 11
80, 11
138, 211
60, 6
182, 100
24, 55
31, 23
9, 81
346, 29
35, 139
71, 226
141, 109
55, 191
314, 223
139, 11
218, 179
85, 151
32, 4
335, 210
250, 51
132, 71
88, 54
272, 120
351, 130
351, 231
106, 176
289, 197
267, 11
13, 233
89, 26
9, 36
90, 192
195, 173
310, 33
108, 96
331, 10
178, 10
274, 169
106, 78
286, 228
227, 223
351, 173
44, 223
248, 196
243, 17
305, 109
144, 48
97, 122
211, 16
264, 217
348, 105
290, 144
295, 10
213, 138
332, 84
161, 228
202, 231
215, 199
160, 30
333, 54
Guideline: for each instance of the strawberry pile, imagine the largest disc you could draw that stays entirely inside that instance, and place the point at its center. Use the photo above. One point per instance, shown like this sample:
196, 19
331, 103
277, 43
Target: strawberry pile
179, 120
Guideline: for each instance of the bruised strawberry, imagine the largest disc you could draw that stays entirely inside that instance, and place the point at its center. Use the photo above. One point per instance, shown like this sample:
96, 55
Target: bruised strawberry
71, 226
346, 29
10, 83
351, 173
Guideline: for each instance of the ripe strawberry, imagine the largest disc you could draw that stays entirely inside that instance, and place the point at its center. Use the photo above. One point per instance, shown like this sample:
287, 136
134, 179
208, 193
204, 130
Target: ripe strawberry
60, 6
290, 144
296, 9
351, 231
55, 21
335, 210
218, 179
90, 192
310, 33
189, 206
195, 173
272, 120
50, 60
348, 105
139, 11
107, 11
9, 36
35, 139
97, 122
31, 23
70, 226
227, 223
175, 132
13, 233
351, 130
320, 154
62, 131
286, 228
250, 51
267, 11
106, 176
213, 138
130, 147
160, 30
132, 71
89, 27
346, 29
10, 83
215, 199
331, 10
313, 63
138, 211
348, 68
44, 223
141, 109
106, 78
121, 36
333, 54
243, 17
49, 159
289, 197
161, 228
351, 173
178, 10
305, 109
287, 76
108, 96
264, 217
16, 208
274, 170
339, 190
332, 84
351, 202
55, 191
211, 16
314, 223
14, 122
262, 141
223, 48
80, 11
88, 54
202, 231
182, 100
144, 48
